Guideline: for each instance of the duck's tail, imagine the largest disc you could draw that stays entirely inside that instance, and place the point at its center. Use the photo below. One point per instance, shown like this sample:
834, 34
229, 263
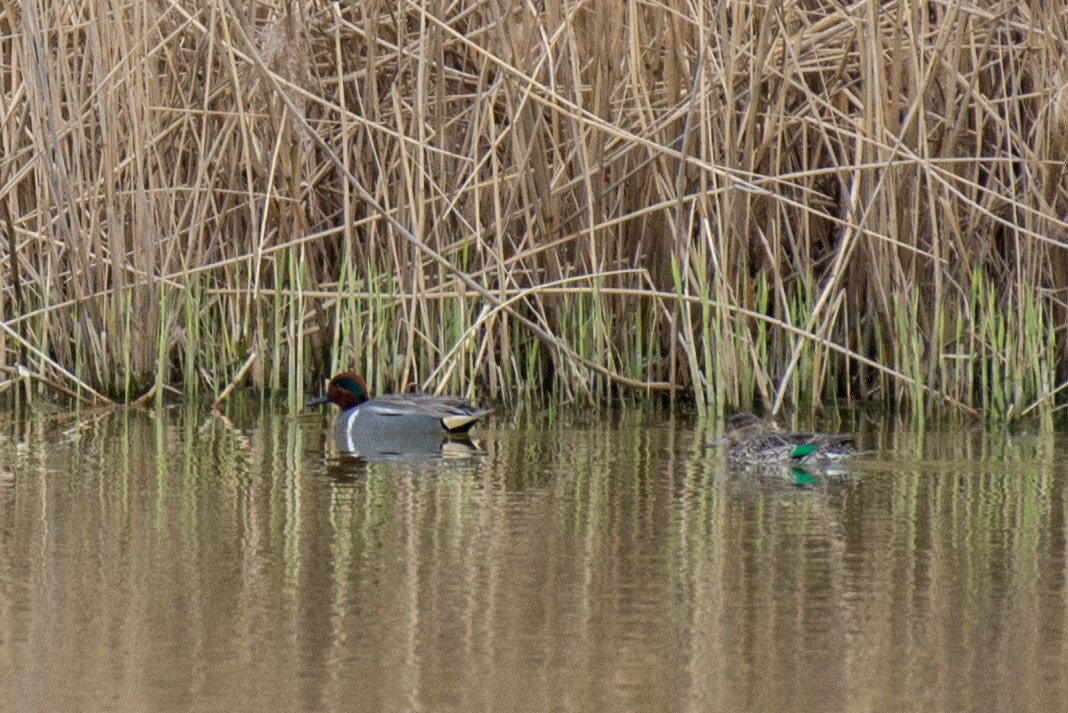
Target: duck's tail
463, 422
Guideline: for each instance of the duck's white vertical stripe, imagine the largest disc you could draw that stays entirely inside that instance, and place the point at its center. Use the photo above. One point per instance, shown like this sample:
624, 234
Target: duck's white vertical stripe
350, 428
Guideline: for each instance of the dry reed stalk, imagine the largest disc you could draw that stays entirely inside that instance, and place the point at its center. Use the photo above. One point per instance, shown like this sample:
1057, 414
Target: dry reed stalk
736, 202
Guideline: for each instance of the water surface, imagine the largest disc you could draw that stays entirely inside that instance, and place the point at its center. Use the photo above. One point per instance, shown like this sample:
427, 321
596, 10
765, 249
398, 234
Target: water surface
176, 560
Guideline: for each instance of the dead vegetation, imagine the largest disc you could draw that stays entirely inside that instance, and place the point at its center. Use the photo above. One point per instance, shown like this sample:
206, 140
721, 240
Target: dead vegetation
785, 202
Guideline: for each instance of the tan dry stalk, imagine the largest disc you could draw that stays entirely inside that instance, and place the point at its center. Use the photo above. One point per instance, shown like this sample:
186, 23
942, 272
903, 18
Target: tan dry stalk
220, 191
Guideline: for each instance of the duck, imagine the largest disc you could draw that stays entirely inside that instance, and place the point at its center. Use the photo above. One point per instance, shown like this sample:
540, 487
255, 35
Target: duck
393, 417
750, 441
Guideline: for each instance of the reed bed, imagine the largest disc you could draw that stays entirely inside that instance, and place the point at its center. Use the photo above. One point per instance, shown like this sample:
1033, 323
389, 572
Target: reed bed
573, 201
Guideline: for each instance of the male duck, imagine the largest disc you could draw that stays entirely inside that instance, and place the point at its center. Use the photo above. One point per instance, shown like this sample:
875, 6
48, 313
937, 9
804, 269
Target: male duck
393, 416
751, 442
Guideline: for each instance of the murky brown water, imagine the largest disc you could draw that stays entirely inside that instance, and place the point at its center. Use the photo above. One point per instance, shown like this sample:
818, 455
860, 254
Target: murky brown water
175, 561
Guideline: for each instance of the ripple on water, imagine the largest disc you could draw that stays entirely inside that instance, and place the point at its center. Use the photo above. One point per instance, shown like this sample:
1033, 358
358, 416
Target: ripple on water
169, 561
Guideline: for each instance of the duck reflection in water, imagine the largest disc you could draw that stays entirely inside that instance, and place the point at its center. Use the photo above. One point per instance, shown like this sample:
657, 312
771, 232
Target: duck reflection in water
412, 445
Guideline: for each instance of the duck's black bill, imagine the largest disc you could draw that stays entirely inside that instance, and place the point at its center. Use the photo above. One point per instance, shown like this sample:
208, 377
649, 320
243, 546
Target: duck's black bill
317, 401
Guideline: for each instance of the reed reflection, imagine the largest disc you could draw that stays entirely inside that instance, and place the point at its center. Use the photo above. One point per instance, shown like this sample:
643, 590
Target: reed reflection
177, 560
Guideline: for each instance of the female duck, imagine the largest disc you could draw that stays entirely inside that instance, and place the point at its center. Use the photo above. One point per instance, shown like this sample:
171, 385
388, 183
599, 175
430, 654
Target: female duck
393, 416
750, 442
